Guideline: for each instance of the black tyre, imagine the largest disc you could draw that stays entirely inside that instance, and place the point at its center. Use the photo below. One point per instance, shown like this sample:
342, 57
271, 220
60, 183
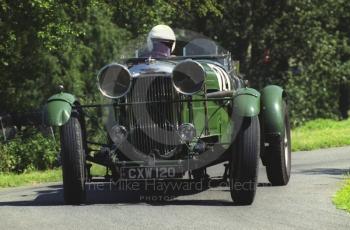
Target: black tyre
278, 166
73, 162
244, 165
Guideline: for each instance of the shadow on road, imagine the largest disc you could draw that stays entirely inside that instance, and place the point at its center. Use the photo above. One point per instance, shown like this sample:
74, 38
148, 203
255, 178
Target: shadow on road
134, 192
46, 196
325, 171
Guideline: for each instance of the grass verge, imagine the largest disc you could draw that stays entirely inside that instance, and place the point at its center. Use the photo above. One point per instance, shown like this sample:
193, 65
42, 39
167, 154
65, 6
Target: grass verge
342, 197
29, 178
321, 133
37, 177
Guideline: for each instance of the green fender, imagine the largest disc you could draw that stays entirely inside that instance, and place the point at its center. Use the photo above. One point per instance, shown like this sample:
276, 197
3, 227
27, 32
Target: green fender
58, 108
246, 102
272, 115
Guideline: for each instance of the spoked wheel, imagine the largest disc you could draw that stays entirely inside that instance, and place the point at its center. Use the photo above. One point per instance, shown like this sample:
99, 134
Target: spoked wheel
244, 165
279, 151
73, 162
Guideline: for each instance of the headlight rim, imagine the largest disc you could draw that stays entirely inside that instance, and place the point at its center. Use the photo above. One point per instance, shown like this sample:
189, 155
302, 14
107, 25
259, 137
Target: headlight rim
99, 85
203, 73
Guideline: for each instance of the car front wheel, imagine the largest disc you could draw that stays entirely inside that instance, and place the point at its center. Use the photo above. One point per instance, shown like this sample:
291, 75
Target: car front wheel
244, 165
73, 162
279, 151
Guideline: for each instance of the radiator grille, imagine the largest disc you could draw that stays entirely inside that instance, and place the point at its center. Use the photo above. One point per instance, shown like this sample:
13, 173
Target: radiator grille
152, 126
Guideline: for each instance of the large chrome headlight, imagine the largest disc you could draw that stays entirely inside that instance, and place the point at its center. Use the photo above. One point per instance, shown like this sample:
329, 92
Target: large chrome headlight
188, 77
114, 81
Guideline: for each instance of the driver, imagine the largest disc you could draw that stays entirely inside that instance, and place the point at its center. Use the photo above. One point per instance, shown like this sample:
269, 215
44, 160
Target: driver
161, 41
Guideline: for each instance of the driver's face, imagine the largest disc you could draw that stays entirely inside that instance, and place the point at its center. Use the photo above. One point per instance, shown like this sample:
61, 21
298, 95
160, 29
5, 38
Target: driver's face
161, 48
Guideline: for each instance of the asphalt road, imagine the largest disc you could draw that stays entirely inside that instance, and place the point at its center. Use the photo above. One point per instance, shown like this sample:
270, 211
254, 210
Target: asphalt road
304, 204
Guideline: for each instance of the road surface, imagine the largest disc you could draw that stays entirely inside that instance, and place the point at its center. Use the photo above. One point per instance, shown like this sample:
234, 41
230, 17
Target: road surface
304, 204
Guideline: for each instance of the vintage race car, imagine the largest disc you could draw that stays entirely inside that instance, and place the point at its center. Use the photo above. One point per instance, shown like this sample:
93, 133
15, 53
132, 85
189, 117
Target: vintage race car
176, 116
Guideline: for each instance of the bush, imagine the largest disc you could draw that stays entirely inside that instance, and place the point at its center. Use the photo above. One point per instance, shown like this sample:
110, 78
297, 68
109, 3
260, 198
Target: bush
28, 151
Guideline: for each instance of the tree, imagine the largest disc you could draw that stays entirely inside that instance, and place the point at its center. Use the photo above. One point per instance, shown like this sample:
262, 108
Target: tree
47, 43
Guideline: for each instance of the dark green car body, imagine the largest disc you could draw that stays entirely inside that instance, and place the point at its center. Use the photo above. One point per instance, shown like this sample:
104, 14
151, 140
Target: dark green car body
208, 114
178, 113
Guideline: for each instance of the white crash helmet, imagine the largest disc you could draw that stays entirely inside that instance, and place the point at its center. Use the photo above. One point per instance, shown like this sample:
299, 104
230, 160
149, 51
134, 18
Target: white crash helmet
161, 32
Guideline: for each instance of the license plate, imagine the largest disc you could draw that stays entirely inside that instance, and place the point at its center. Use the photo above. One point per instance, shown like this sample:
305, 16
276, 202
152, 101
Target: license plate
144, 173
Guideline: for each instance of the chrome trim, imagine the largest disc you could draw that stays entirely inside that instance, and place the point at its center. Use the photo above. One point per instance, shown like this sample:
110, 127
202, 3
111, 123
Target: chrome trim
98, 82
172, 78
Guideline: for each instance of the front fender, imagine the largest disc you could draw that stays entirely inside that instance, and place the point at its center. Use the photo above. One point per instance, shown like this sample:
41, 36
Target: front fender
246, 102
272, 114
58, 109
